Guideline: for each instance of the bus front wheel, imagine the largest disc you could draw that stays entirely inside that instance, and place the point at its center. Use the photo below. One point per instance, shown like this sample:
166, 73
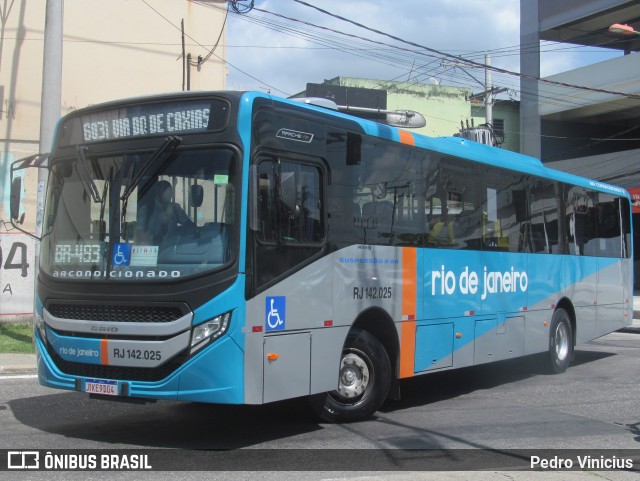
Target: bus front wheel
560, 342
364, 380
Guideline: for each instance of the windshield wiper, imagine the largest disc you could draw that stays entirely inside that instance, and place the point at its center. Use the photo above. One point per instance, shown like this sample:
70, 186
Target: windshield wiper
101, 225
125, 201
85, 177
169, 145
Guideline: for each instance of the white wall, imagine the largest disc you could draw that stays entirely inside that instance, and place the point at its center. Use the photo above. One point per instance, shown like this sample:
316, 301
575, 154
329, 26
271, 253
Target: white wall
619, 74
112, 49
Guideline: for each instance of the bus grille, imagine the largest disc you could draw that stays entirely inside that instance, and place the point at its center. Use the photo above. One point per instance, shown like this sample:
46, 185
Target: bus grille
115, 313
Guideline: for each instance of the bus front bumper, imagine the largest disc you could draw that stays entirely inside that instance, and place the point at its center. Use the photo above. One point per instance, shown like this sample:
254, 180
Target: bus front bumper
213, 375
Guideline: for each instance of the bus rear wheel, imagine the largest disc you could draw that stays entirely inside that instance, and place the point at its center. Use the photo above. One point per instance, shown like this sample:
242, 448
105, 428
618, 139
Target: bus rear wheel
363, 384
560, 342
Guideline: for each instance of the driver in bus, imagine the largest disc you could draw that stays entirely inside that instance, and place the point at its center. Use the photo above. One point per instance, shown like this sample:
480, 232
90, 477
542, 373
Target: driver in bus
164, 215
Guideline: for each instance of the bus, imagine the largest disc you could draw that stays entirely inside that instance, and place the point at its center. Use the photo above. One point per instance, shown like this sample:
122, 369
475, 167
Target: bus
238, 248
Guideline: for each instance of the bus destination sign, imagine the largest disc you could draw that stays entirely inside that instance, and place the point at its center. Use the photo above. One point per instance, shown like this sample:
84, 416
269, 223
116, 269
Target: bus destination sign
139, 120
179, 121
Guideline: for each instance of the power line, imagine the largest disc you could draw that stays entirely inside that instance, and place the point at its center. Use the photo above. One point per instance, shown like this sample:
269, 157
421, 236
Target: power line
362, 52
202, 60
214, 54
280, 27
324, 40
240, 6
470, 62
380, 58
284, 28
328, 42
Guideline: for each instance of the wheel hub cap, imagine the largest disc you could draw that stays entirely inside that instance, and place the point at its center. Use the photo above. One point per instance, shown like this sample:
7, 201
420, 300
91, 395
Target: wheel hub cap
354, 376
562, 342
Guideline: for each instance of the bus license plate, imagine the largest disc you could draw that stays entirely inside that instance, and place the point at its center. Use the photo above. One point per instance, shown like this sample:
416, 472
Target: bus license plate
101, 386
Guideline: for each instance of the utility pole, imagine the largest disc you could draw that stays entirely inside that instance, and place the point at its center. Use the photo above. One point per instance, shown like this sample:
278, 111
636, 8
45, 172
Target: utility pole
51, 93
482, 134
488, 100
51, 101
184, 59
51, 73
489, 90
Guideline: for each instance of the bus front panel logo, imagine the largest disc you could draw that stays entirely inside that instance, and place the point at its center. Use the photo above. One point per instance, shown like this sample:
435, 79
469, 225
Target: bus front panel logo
295, 135
275, 310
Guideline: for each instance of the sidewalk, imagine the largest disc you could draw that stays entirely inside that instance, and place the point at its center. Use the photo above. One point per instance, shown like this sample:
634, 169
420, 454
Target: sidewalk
15, 364
12, 364
635, 327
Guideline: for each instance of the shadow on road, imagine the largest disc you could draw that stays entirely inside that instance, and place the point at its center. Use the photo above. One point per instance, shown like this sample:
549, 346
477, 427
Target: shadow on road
164, 424
445, 385
201, 426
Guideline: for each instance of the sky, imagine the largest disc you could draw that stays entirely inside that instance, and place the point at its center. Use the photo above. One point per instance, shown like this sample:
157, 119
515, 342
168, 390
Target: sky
280, 55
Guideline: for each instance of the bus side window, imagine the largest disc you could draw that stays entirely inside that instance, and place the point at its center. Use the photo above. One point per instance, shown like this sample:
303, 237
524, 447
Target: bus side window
608, 228
266, 195
289, 224
301, 209
541, 233
625, 215
580, 213
505, 210
289, 203
345, 215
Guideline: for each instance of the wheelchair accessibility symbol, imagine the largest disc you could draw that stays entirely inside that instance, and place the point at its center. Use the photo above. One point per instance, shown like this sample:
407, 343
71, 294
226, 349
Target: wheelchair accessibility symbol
275, 313
121, 255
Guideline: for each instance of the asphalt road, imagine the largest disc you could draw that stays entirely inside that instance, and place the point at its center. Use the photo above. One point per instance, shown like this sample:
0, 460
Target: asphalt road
503, 406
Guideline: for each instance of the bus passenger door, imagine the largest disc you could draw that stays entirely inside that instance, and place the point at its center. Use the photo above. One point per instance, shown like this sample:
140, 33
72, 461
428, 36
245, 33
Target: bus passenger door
609, 247
581, 277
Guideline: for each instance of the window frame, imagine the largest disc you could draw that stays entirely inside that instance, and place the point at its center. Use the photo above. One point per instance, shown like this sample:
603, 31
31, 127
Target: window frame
276, 159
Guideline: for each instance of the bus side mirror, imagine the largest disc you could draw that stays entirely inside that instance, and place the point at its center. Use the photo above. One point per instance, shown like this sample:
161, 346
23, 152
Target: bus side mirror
18, 183
16, 194
196, 196
354, 148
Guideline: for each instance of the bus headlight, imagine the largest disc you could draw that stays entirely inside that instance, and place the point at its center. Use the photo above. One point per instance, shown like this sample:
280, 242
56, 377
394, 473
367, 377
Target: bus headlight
210, 330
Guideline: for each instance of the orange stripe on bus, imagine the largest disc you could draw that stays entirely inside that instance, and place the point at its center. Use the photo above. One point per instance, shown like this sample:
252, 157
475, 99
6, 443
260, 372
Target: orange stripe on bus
406, 137
409, 294
104, 352
409, 274
408, 349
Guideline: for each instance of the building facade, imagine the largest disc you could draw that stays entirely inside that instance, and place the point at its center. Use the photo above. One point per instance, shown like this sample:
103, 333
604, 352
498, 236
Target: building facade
592, 131
506, 122
114, 49
445, 108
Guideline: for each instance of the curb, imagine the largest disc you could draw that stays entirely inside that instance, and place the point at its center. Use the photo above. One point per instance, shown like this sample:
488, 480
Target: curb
11, 364
629, 330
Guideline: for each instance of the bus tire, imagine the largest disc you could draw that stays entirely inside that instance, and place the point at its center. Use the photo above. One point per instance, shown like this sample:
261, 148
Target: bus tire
364, 381
560, 342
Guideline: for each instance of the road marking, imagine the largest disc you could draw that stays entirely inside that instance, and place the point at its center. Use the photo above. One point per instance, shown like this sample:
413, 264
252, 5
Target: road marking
21, 376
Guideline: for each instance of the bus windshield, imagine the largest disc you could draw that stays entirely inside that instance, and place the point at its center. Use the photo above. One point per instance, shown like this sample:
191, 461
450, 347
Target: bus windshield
140, 216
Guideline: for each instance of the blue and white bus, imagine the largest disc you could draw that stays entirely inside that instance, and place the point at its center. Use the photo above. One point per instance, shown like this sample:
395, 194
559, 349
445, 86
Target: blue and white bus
239, 248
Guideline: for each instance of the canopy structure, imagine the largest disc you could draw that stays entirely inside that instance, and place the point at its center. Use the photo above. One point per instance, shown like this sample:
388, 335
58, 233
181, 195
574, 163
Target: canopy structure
617, 168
